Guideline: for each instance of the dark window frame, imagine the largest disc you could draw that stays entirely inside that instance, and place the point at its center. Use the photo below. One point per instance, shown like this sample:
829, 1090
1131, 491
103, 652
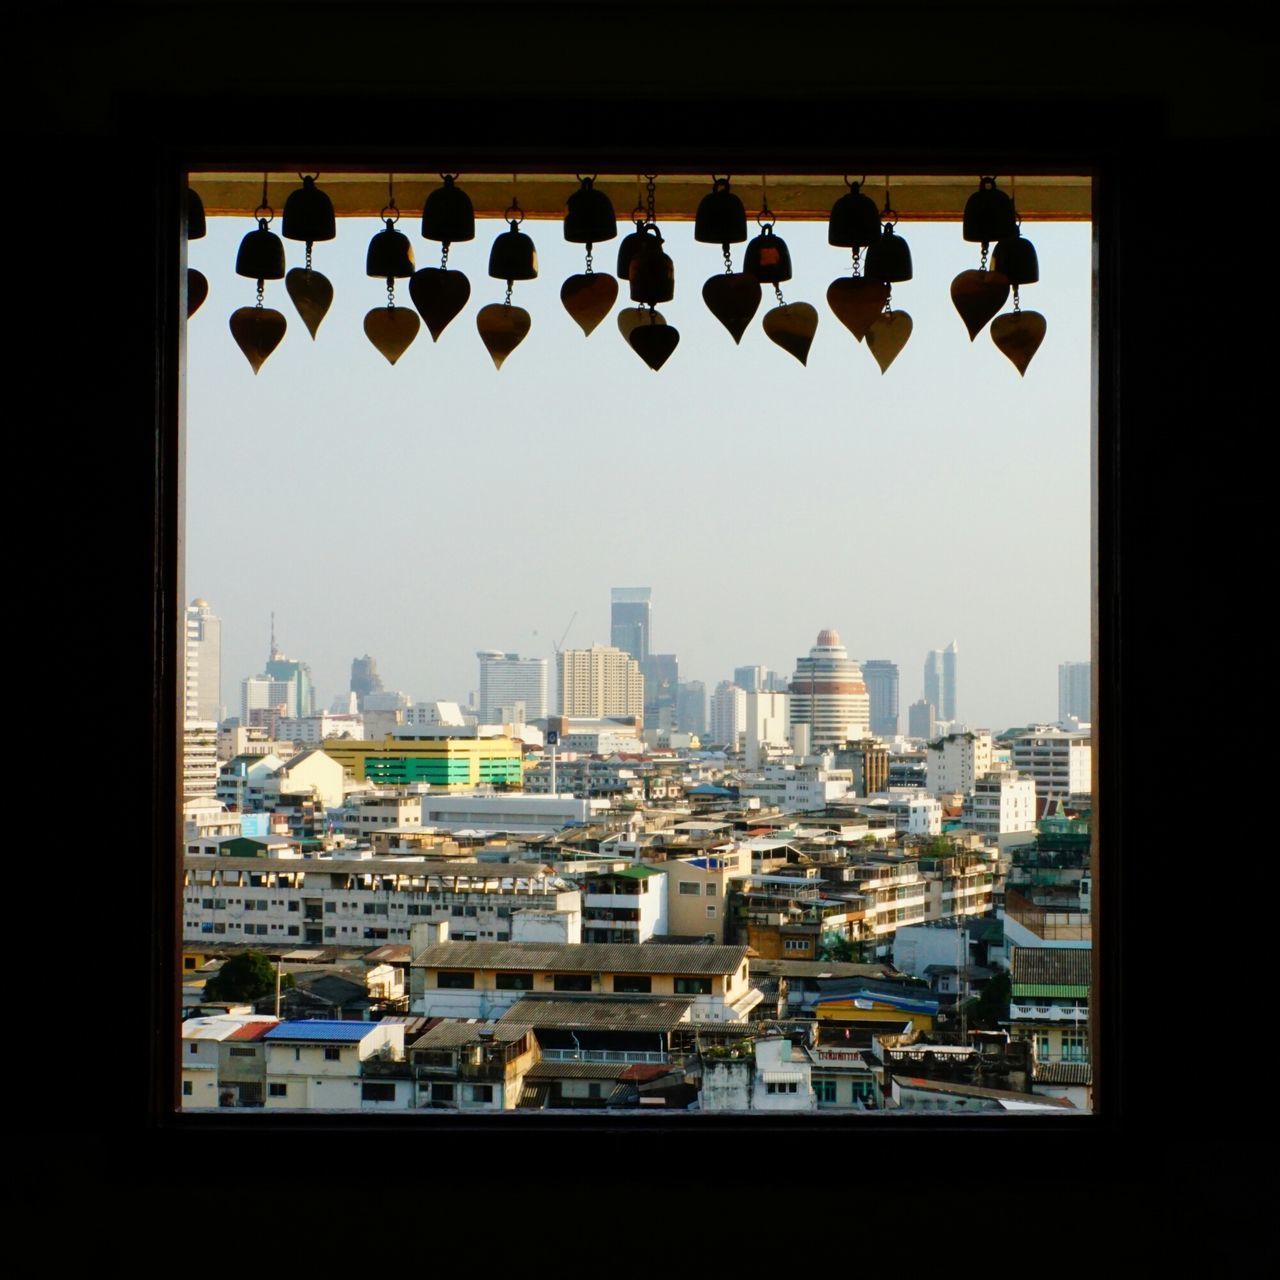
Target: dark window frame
1128, 145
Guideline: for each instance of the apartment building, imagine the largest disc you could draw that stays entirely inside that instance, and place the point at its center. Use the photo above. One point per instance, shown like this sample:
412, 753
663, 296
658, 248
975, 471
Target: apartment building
314, 1064
456, 758
1002, 803
1059, 762
1049, 1002
482, 980
698, 892
629, 905
360, 901
956, 762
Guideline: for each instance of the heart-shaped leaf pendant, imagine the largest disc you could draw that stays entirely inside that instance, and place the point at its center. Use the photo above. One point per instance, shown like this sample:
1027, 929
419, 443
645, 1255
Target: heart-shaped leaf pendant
257, 331
733, 300
439, 294
978, 295
630, 317
502, 329
312, 294
856, 301
1019, 335
653, 343
391, 329
588, 299
887, 336
792, 327
197, 291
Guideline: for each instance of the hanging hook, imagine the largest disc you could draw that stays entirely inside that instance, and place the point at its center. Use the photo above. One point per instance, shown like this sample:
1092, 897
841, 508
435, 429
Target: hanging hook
853, 186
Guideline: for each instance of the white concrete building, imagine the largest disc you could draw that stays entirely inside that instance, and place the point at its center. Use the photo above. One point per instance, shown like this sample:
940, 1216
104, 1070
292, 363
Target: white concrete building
363, 813
315, 1065
312, 773
202, 667
311, 731
199, 759
792, 786
912, 811
768, 724
625, 906
508, 682
1060, 763
1002, 803
956, 762
522, 813
728, 719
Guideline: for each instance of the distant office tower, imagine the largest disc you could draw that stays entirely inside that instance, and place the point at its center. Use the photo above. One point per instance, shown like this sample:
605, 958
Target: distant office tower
600, 681
728, 716
364, 679
661, 673
283, 683
629, 621
1075, 690
691, 707
749, 678
940, 681
881, 677
828, 695
921, 719
775, 682
202, 687
507, 679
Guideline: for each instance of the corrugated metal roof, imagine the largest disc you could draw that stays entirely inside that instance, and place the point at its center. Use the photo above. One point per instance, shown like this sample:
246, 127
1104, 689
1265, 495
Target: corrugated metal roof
623, 1015
1063, 966
1063, 1073
252, 1031
547, 1070
582, 957
452, 1034
320, 1030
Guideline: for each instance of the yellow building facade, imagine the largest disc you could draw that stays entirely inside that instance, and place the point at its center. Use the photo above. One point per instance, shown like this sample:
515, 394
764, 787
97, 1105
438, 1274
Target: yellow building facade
449, 764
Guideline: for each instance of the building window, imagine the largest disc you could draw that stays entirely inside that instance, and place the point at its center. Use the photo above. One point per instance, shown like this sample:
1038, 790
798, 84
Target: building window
186, 1089
277, 1090
693, 986
482, 1093
711, 911
377, 1091
633, 983
195, 1048
514, 981
712, 890
442, 1093
825, 1090
453, 981
332, 1053
572, 982
242, 1051
689, 888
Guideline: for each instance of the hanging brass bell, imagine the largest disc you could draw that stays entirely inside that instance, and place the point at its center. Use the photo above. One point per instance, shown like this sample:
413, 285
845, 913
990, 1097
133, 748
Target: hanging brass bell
447, 215
988, 214
195, 216
652, 274
721, 217
854, 222
308, 214
589, 216
390, 254
1015, 258
767, 258
513, 256
888, 257
261, 255
627, 250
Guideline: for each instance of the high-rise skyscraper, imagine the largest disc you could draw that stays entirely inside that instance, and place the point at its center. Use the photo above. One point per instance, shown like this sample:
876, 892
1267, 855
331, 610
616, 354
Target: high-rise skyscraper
202, 664
661, 674
507, 679
691, 707
364, 679
881, 678
750, 679
1075, 690
828, 694
940, 681
728, 716
920, 719
600, 681
629, 620
283, 682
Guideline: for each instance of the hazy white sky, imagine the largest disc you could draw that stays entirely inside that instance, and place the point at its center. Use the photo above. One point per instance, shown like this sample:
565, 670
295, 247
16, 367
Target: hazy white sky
423, 511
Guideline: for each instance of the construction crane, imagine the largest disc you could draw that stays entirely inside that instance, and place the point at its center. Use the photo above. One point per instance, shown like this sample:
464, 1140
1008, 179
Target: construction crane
557, 645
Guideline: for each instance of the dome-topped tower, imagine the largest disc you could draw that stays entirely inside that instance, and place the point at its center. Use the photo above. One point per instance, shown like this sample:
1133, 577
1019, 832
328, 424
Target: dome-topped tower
828, 694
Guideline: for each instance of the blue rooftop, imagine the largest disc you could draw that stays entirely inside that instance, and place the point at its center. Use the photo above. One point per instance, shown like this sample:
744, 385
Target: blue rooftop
706, 789
708, 864
315, 1030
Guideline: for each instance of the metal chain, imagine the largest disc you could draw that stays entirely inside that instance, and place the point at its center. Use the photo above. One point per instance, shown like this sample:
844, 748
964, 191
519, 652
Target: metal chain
888, 300
857, 260
985, 248
728, 261
259, 293
308, 255
652, 180
506, 302
391, 292
777, 291
444, 256
589, 261
1017, 302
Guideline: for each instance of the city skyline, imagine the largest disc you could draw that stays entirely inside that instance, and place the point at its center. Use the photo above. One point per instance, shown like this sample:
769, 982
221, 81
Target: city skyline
740, 467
